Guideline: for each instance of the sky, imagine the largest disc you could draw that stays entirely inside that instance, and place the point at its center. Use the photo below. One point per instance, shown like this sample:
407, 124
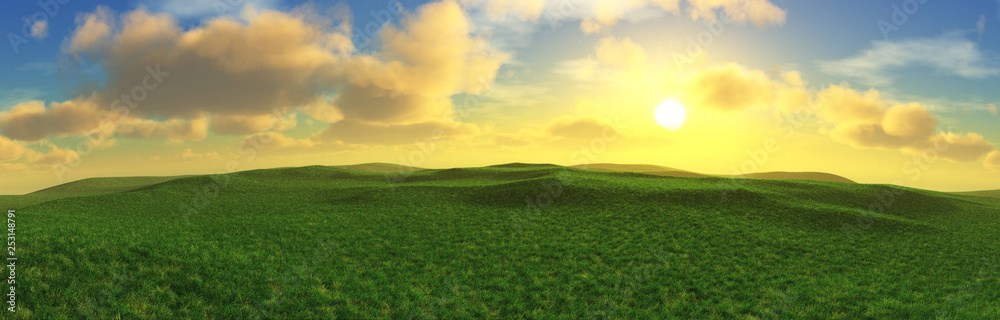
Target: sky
898, 92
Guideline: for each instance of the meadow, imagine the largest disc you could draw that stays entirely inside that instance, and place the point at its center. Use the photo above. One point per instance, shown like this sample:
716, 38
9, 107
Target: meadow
501, 242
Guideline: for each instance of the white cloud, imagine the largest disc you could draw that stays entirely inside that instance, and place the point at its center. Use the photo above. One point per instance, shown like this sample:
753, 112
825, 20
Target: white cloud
40, 30
950, 54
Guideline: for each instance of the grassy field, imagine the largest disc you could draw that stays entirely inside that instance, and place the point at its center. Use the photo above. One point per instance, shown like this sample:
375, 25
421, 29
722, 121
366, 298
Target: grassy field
509, 241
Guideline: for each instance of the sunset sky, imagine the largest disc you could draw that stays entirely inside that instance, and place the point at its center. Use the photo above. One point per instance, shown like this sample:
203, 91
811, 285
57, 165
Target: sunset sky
901, 92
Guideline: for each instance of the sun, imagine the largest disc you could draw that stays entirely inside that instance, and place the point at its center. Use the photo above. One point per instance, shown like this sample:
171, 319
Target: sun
670, 114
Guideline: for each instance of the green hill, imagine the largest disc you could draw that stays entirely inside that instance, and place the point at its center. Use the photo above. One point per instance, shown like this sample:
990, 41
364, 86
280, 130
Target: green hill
672, 172
500, 242
814, 176
380, 167
988, 193
85, 187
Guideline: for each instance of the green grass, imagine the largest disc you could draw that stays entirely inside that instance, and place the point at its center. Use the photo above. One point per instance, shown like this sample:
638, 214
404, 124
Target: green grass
325, 242
988, 193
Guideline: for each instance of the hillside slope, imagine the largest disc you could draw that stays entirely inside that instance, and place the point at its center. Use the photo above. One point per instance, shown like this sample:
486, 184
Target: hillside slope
507, 241
672, 172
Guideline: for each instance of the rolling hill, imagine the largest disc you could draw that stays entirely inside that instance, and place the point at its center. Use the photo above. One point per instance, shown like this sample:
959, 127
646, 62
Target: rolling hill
987, 193
506, 241
672, 172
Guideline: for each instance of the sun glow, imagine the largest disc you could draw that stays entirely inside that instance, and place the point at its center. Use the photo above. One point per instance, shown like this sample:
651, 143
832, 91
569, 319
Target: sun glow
670, 114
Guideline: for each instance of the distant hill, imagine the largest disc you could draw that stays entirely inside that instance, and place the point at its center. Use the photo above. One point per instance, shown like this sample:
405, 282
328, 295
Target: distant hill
84, 187
814, 176
626, 167
380, 167
672, 172
986, 193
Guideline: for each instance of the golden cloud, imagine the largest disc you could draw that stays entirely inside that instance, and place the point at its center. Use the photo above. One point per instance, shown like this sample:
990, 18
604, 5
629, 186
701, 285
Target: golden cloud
623, 53
174, 130
55, 156
32, 121
187, 154
961, 148
841, 104
236, 73
360, 132
241, 125
867, 135
732, 88
10, 150
992, 160
863, 120
586, 127
909, 121
93, 33
431, 58
275, 140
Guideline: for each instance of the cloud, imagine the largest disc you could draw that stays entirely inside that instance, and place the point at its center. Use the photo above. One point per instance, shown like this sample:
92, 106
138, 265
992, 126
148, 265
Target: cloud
586, 127
960, 147
322, 109
529, 10
93, 32
950, 54
359, 132
238, 73
866, 120
870, 135
223, 66
399, 87
40, 29
174, 130
241, 125
606, 13
623, 53
55, 156
32, 121
992, 161
761, 13
275, 140
10, 150
909, 121
731, 88
187, 154
612, 58
992, 108
841, 104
